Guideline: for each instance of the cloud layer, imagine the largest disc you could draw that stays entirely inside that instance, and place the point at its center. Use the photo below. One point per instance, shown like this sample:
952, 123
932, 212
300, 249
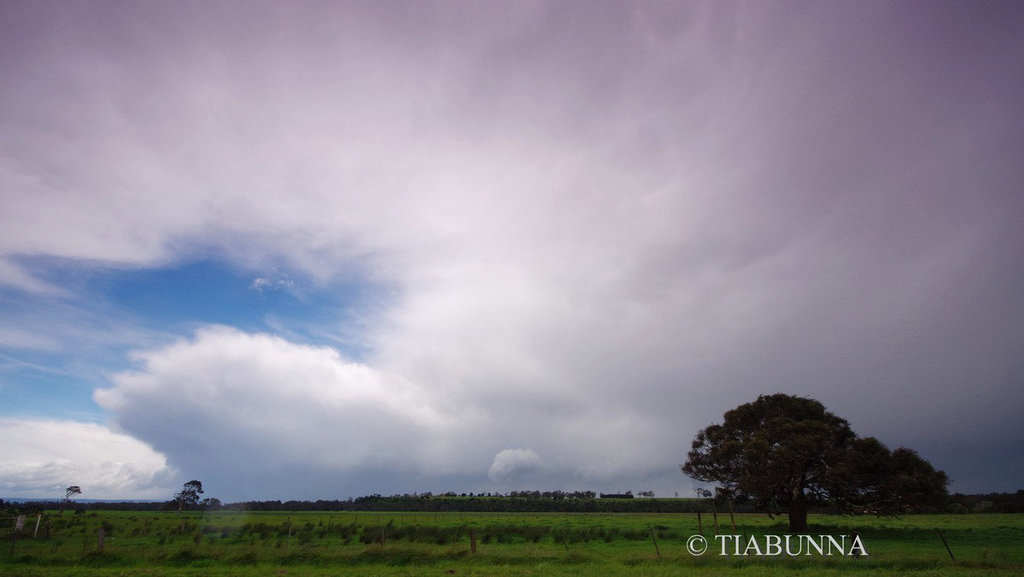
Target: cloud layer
41, 458
590, 233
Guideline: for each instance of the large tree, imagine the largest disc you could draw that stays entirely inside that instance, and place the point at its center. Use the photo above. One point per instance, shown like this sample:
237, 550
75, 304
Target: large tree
189, 494
788, 453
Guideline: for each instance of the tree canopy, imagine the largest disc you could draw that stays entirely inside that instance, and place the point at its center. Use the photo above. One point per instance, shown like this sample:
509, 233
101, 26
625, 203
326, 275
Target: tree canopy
68, 492
189, 494
787, 453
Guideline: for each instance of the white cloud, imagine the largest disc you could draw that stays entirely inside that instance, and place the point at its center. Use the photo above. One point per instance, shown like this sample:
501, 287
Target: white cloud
513, 462
260, 284
230, 403
43, 457
235, 409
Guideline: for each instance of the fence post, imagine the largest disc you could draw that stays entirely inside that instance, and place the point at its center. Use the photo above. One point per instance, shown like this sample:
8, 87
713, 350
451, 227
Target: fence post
656, 549
946, 544
18, 523
714, 515
732, 517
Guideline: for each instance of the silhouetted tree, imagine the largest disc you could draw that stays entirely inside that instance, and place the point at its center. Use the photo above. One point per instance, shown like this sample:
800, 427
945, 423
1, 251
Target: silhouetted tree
788, 453
71, 490
189, 494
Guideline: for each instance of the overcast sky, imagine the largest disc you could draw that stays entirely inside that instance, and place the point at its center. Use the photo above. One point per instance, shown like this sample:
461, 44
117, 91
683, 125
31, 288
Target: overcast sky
321, 250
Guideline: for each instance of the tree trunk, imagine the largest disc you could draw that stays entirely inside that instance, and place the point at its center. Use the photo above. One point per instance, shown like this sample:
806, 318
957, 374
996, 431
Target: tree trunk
798, 516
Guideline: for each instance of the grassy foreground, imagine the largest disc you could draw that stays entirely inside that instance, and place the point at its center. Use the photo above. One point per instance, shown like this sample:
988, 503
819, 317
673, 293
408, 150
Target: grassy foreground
322, 543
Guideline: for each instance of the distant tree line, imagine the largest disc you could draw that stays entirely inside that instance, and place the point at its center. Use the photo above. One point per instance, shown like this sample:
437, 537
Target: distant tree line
40, 505
514, 502
517, 502
986, 503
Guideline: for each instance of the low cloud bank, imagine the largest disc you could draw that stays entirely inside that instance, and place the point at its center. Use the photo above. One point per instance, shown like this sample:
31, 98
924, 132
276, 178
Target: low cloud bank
43, 457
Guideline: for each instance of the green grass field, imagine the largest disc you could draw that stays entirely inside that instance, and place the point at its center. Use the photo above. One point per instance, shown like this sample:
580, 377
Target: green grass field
330, 543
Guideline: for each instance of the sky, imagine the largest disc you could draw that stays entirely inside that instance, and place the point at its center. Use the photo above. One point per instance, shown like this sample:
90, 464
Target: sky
318, 250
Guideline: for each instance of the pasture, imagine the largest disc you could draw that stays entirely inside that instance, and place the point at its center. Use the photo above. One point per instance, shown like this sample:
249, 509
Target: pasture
229, 543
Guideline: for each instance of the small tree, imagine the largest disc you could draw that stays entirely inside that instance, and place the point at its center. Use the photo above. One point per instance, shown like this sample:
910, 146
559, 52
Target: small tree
189, 494
788, 453
71, 490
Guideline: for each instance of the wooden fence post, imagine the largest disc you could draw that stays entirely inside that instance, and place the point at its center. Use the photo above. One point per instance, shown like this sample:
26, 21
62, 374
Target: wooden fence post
732, 518
946, 544
656, 549
714, 515
19, 523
